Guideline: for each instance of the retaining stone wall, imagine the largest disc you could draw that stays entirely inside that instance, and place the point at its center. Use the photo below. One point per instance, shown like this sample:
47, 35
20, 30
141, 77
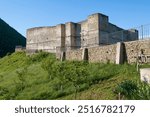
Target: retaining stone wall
108, 53
133, 49
74, 55
102, 54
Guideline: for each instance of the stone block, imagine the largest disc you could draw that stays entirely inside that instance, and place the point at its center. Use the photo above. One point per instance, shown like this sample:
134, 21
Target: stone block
145, 75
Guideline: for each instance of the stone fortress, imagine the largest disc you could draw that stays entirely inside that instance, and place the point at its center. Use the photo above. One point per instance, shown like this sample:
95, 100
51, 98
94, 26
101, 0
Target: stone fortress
94, 39
91, 32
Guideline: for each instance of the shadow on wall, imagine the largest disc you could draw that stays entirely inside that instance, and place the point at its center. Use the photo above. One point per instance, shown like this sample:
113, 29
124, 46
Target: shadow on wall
124, 53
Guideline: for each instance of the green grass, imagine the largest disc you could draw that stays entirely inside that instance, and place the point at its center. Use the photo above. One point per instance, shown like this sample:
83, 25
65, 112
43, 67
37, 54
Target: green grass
41, 76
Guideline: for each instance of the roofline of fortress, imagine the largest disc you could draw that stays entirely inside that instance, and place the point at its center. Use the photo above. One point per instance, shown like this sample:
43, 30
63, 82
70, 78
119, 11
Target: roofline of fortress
80, 22
41, 27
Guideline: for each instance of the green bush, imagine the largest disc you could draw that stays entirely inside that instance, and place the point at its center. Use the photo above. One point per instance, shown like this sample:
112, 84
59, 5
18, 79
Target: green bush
3, 91
143, 92
38, 57
127, 88
132, 90
66, 72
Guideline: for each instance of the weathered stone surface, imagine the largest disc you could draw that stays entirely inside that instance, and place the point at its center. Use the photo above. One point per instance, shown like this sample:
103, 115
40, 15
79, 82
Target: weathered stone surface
74, 55
108, 53
95, 54
133, 49
45, 38
92, 33
95, 30
102, 54
72, 35
119, 53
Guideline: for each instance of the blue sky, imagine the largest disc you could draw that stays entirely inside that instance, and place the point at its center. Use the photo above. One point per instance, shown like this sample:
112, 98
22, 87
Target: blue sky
24, 14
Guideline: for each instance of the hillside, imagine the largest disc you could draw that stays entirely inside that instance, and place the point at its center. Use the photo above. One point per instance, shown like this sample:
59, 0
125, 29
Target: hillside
41, 76
9, 39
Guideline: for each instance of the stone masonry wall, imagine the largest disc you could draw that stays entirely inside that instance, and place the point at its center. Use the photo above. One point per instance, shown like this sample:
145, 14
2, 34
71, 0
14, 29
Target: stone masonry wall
74, 55
95, 30
45, 38
108, 53
40, 38
133, 49
102, 54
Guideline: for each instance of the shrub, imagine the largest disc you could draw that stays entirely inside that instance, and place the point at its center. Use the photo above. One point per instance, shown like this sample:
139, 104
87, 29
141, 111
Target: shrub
3, 91
143, 92
131, 90
127, 88
38, 57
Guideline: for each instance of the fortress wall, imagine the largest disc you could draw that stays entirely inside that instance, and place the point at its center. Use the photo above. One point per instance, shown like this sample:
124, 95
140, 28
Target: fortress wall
103, 22
108, 53
90, 29
93, 29
95, 54
78, 35
45, 38
102, 54
133, 48
39, 38
130, 35
60, 35
84, 33
70, 35
114, 28
73, 39
113, 35
74, 55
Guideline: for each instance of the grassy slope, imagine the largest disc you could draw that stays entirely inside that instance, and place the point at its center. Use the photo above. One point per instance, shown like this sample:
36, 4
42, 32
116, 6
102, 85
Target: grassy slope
36, 83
